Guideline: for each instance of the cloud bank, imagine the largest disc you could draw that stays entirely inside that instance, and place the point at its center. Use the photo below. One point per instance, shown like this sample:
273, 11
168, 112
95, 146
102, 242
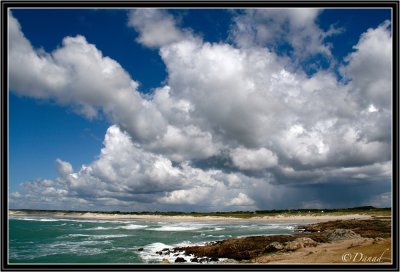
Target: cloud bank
235, 126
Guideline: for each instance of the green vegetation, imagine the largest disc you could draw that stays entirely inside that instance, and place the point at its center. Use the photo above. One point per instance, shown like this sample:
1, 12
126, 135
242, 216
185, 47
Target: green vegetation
370, 210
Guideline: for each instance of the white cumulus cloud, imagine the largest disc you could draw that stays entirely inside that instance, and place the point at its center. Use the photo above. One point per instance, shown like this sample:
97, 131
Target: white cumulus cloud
156, 27
266, 126
246, 159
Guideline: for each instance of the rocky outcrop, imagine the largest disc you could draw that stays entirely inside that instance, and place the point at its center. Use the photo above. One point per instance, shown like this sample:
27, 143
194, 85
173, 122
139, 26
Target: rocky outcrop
274, 246
366, 228
300, 243
236, 248
180, 260
340, 234
291, 245
247, 248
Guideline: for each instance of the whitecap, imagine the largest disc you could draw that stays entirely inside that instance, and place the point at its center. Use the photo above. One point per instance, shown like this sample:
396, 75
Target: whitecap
174, 228
180, 227
127, 227
133, 226
98, 236
149, 255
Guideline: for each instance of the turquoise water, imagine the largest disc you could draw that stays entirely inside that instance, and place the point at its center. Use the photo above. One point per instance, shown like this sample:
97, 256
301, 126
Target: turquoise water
34, 239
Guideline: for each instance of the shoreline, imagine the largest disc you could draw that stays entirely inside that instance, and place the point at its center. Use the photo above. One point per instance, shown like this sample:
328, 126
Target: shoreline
317, 238
343, 241
188, 218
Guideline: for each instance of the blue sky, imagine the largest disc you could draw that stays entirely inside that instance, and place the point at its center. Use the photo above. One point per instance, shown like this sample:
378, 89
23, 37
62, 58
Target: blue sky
276, 103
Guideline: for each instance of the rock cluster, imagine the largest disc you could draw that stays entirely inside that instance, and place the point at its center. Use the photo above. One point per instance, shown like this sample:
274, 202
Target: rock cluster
180, 260
247, 248
341, 234
291, 245
177, 251
370, 228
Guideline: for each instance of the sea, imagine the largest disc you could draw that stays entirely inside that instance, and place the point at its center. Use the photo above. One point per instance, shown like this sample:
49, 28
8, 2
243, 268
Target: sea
39, 239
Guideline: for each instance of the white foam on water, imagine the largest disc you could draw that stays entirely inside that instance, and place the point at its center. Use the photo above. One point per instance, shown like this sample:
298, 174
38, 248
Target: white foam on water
133, 226
278, 227
174, 228
26, 218
78, 235
47, 220
127, 227
100, 228
70, 245
101, 221
96, 236
110, 236
218, 236
76, 248
180, 227
149, 255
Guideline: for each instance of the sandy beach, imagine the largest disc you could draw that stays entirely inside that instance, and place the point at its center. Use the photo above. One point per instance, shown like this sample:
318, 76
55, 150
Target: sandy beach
350, 251
179, 218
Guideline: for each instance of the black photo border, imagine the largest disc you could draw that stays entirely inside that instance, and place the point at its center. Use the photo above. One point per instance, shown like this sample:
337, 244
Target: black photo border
6, 5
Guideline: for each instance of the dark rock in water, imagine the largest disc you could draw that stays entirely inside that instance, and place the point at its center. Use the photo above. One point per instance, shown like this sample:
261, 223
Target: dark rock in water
159, 252
180, 260
213, 259
194, 260
140, 249
236, 248
341, 234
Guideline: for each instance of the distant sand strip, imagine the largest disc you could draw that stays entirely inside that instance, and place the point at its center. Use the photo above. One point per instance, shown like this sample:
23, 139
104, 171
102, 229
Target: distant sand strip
277, 218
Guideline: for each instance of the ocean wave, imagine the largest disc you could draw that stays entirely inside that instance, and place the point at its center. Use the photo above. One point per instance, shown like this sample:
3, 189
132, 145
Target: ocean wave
127, 227
100, 228
52, 219
33, 219
180, 227
268, 227
150, 253
174, 228
276, 227
133, 226
218, 229
70, 244
98, 236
